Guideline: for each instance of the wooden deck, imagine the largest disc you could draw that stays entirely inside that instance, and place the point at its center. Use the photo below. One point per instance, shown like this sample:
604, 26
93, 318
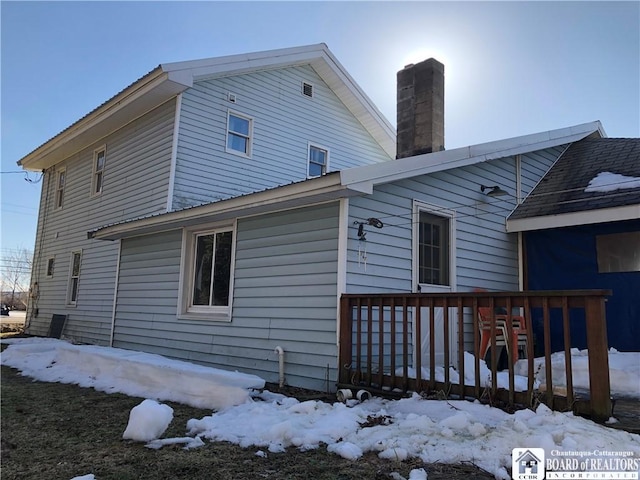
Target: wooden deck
386, 339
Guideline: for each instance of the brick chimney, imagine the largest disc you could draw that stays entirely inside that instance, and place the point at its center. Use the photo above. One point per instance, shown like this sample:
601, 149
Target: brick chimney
420, 122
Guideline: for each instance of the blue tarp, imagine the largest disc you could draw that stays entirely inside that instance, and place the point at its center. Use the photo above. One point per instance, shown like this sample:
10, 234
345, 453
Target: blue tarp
566, 259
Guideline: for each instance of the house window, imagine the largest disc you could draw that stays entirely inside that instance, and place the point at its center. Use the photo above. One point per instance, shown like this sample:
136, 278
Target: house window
210, 275
618, 252
99, 158
60, 183
50, 266
434, 248
239, 129
318, 161
74, 278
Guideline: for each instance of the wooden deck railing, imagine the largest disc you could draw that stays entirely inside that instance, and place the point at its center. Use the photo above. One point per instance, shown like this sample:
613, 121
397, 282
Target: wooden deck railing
383, 346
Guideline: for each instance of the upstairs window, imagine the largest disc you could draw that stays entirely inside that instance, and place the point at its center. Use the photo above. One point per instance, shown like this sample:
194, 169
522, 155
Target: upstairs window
99, 159
74, 278
318, 161
60, 183
50, 266
239, 130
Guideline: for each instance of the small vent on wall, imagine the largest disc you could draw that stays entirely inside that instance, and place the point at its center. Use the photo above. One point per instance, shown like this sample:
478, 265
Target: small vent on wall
231, 97
307, 89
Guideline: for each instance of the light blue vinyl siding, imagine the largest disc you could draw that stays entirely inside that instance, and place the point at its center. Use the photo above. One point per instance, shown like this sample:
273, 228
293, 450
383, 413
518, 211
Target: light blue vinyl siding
136, 178
486, 256
285, 288
284, 122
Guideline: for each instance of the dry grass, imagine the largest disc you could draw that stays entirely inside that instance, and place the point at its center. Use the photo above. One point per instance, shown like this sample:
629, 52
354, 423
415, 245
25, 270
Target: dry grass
53, 431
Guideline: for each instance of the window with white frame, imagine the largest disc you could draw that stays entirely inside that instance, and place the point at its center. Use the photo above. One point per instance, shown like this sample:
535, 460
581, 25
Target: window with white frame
99, 159
433, 246
318, 161
74, 278
50, 266
60, 184
239, 131
209, 276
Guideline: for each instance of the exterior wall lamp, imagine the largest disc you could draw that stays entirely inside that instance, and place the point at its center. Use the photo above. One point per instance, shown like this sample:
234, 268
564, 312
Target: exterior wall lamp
494, 191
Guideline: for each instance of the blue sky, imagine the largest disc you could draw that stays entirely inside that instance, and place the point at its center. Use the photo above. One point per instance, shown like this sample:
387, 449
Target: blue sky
511, 68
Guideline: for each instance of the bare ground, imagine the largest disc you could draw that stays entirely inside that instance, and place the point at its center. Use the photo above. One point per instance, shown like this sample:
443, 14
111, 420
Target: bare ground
54, 431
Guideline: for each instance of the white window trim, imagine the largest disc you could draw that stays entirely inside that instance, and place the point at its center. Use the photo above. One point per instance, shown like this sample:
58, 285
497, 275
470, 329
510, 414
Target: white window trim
73, 303
319, 147
58, 172
249, 143
94, 171
53, 270
418, 207
185, 310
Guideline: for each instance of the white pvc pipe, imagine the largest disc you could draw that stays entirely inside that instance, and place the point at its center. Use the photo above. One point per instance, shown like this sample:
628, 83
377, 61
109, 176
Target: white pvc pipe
280, 351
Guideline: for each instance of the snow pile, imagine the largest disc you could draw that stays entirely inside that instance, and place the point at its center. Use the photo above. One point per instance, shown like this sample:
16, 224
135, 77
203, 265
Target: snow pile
624, 369
434, 431
132, 373
431, 430
502, 378
148, 421
609, 182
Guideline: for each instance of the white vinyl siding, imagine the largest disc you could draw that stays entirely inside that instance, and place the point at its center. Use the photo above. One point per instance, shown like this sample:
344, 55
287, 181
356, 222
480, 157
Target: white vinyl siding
285, 294
138, 174
284, 122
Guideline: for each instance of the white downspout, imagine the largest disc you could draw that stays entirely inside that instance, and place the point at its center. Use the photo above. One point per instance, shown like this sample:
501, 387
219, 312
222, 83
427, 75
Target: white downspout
280, 351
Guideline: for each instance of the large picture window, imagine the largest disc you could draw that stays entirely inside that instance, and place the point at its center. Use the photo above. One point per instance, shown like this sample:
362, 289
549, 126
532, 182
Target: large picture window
208, 276
239, 129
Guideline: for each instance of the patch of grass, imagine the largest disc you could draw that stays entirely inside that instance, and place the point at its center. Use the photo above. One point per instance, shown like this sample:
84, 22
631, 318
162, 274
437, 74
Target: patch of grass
56, 432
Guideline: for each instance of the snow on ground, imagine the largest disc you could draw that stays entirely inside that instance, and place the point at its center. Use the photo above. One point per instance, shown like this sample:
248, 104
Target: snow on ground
434, 431
624, 367
132, 373
608, 182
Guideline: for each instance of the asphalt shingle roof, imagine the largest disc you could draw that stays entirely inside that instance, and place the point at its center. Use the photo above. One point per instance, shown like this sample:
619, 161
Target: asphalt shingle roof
562, 189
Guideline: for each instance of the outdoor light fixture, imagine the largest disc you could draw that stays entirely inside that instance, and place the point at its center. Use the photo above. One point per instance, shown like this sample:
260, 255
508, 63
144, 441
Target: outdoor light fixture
494, 191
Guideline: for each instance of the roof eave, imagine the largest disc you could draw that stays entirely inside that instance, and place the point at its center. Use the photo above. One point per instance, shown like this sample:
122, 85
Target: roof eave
585, 217
464, 156
150, 91
320, 190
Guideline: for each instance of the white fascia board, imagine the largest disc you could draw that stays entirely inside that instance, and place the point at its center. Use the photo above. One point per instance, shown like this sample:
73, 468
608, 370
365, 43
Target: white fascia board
323, 62
588, 217
460, 157
295, 195
136, 100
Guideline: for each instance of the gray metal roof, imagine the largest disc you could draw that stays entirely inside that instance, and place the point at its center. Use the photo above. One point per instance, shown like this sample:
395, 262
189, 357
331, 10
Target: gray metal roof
562, 189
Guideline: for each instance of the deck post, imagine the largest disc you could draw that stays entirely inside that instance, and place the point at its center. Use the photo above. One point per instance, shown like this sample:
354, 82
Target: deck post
597, 346
346, 325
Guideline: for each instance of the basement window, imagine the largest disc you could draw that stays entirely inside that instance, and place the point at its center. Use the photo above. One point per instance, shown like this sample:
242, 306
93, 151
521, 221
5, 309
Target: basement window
618, 252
